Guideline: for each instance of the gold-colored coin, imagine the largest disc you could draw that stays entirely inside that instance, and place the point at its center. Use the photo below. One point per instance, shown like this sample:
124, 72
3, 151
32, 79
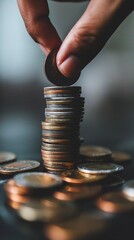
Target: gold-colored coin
37, 180
73, 176
75, 193
114, 202
121, 157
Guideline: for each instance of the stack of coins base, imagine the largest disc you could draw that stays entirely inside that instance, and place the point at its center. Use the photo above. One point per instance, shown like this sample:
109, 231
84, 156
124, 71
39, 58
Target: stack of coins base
61, 128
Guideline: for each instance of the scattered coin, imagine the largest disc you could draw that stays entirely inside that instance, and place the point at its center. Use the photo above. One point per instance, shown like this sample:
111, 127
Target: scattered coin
75, 193
19, 166
74, 176
95, 153
37, 180
112, 181
121, 157
97, 168
128, 190
7, 157
47, 210
54, 75
114, 202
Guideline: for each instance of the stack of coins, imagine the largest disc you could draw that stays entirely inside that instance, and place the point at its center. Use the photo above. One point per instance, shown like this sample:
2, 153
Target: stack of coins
61, 128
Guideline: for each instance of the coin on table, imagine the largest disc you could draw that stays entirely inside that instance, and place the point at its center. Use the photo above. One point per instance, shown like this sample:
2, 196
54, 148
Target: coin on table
97, 168
47, 210
95, 153
128, 190
75, 193
112, 181
7, 157
19, 166
121, 157
37, 180
73, 176
54, 75
114, 202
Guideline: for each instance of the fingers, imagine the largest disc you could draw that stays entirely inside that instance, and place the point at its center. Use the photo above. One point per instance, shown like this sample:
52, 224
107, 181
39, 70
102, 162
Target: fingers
35, 14
90, 34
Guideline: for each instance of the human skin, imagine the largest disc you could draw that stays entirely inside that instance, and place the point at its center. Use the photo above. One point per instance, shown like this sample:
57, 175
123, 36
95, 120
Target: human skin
85, 39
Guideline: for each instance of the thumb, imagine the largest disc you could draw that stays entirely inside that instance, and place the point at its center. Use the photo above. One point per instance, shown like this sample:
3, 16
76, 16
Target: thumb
90, 34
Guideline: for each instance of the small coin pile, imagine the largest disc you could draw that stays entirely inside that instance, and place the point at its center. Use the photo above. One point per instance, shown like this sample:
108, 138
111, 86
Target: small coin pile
25, 187
61, 128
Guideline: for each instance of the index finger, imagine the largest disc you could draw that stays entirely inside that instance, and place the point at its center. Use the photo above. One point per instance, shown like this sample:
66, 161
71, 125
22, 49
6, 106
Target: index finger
36, 18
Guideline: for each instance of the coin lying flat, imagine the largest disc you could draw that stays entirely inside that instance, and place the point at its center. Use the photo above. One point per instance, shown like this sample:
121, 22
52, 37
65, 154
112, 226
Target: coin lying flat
112, 181
95, 152
54, 75
75, 193
96, 168
114, 202
128, 190
37, 180
73, 176
19, 166
121, 157
7, 157
47, 210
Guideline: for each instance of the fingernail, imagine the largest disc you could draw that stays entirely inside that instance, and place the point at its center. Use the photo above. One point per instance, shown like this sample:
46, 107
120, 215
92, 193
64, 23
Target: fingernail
71, 67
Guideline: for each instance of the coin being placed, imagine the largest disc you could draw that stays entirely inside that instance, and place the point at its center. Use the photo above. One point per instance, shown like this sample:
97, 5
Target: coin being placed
95, 153
121, 157
54, 75
73, 176
37, 180
128, 190
7, 157
76, 193
19, 166
99, 168
114, 202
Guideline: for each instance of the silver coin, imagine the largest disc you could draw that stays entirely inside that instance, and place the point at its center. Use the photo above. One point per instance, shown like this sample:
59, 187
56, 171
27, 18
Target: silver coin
96, 168
37, 180
7, 157
19, 166
60, 95
128, 190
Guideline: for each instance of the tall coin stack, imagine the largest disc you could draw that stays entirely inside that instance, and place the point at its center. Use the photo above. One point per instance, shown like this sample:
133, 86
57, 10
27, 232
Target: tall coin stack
61, 128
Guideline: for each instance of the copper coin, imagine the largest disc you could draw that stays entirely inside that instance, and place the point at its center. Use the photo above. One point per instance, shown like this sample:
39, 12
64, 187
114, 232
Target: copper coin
74, 193
95, 152
19, 166
18, 198
114, 202
49, 140
54, 75
11, 187
62, 89
121, 157
7, 157
112, 181
73, 176
13, 205
37, 180
58, 158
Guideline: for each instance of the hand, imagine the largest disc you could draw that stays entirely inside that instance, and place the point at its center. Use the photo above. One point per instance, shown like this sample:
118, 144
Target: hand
86, 38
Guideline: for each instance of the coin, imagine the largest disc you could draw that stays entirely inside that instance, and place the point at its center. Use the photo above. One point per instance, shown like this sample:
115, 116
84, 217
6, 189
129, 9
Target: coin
47, 210
54, 75
95, 153
73, 176
96, 168
37, 180
7, 157
128, 190
114, 202
121, 157
75, 193
62, 89
19, 166
112, 181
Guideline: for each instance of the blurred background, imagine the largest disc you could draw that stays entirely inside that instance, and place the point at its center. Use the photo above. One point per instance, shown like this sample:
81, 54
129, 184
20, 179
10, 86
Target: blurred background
107, 84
